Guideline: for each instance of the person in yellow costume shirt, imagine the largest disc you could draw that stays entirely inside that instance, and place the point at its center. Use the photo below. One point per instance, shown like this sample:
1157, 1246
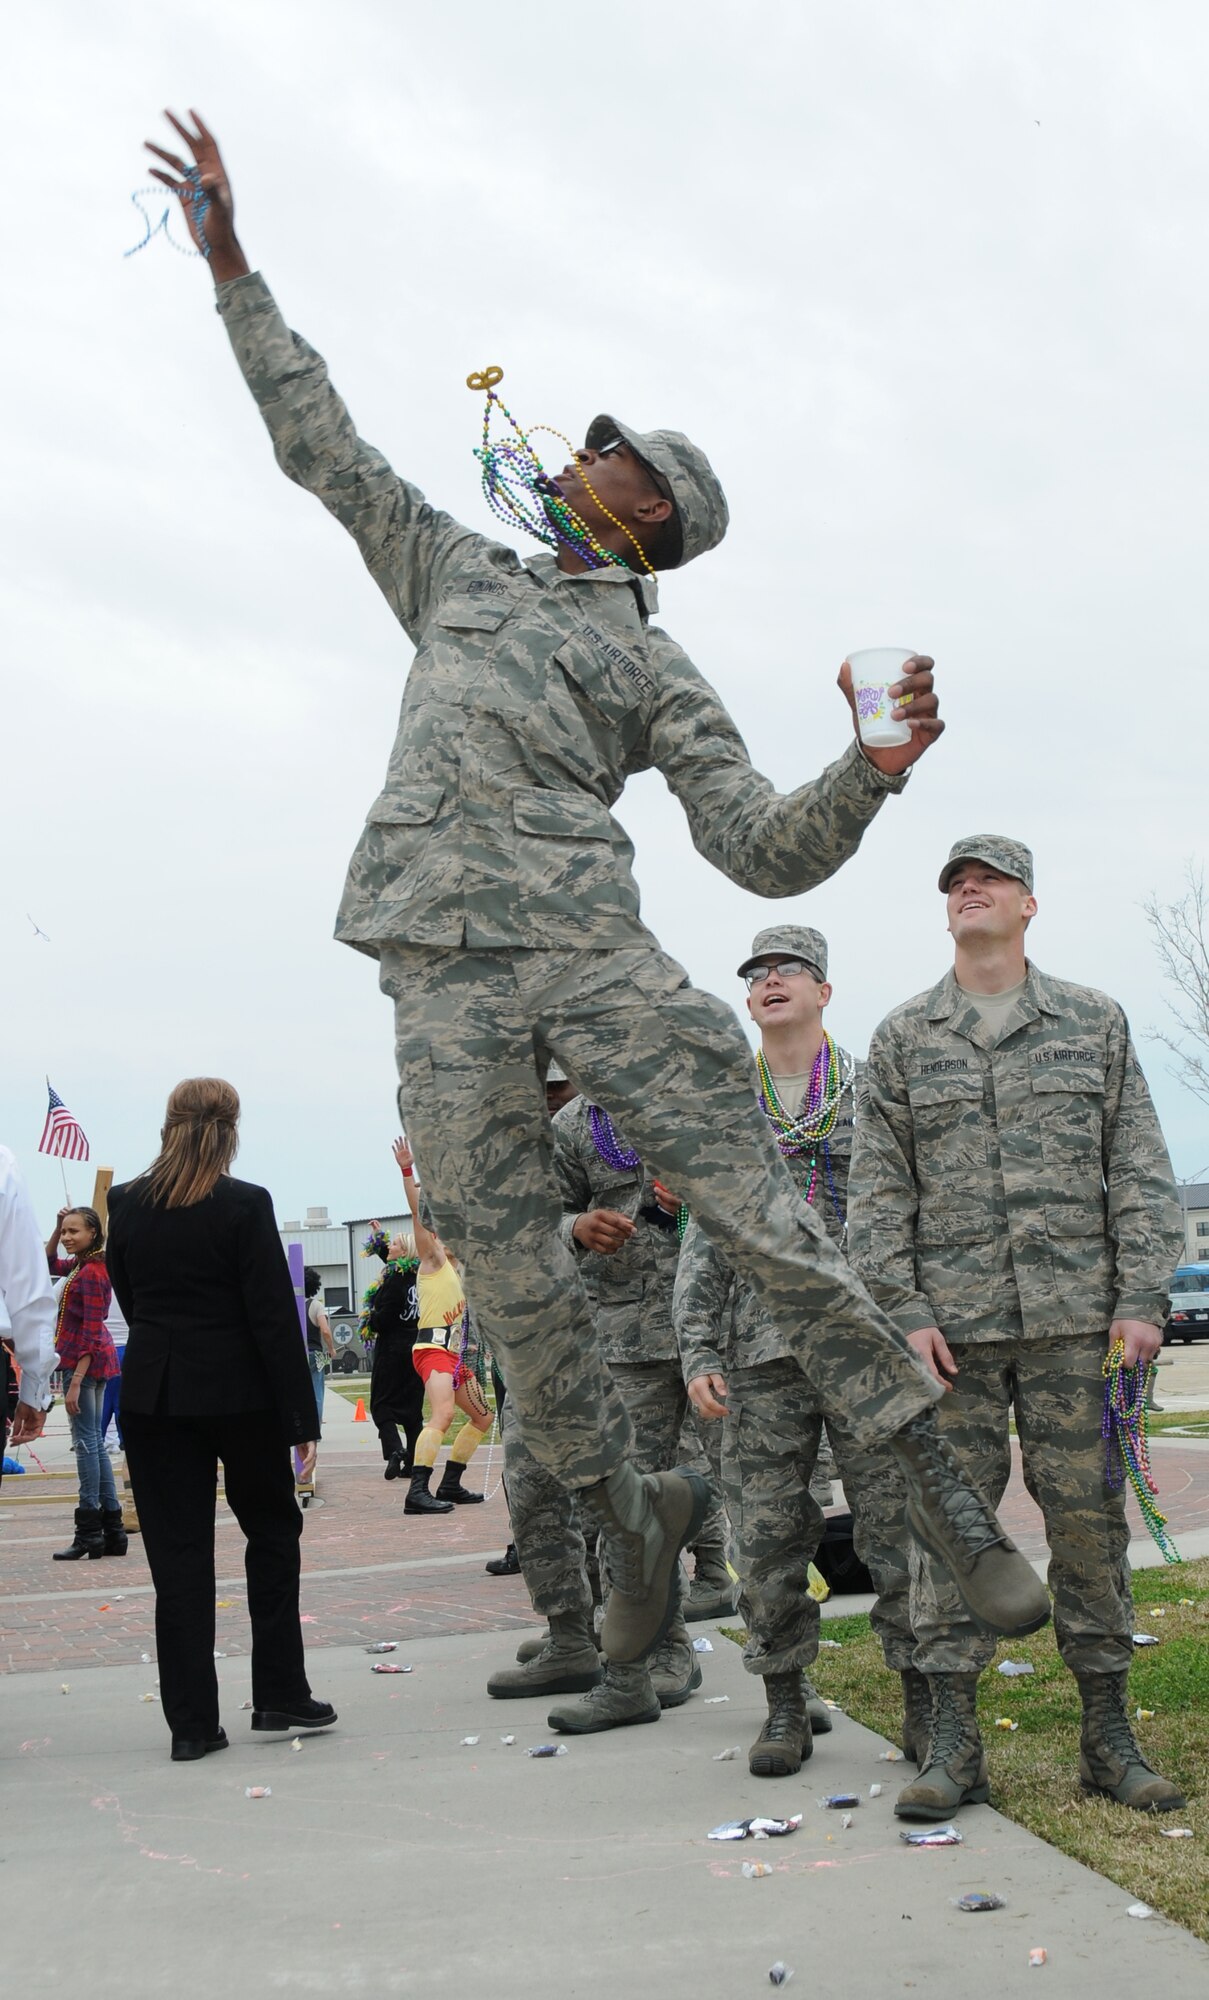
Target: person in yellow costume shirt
437, 1359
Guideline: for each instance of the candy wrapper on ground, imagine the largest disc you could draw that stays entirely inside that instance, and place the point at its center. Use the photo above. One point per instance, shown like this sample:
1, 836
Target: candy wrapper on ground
1139, 1910
728, 1756
760, 1828
977, 1901
384, 1646
703, 1645
840, 1801
1038, 1955
932, 1836
547, 1750
754, 1870
779, 1973
388, 1667
1011, 1669
258, 1791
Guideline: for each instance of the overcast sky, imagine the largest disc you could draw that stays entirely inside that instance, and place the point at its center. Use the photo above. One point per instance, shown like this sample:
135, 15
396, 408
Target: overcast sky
927, 281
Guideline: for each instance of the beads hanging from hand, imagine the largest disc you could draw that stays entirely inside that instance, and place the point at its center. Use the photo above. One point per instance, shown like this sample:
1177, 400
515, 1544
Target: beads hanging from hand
1126, 1432
520, 492
621, 1158
199, 200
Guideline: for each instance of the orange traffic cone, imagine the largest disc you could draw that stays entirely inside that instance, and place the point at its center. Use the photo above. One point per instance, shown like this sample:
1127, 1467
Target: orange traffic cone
359, 1416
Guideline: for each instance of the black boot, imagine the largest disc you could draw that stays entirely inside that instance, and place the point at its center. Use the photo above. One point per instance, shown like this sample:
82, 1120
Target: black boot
451, 1487
509, 1564
394, 1465
89, 1539
116, 1539
419, 1499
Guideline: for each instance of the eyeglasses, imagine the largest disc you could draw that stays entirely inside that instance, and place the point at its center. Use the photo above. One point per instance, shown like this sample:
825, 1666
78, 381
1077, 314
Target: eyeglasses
787, 968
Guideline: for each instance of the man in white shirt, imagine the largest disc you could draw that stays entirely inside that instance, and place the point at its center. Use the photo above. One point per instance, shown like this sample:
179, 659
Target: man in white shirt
27, 1307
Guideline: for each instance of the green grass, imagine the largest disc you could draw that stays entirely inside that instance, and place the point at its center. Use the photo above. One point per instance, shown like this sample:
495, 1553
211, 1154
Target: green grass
1182, 1423
1034, 1770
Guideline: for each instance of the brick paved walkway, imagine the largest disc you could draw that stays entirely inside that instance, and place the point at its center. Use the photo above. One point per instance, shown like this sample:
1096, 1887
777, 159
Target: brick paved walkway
369, 1570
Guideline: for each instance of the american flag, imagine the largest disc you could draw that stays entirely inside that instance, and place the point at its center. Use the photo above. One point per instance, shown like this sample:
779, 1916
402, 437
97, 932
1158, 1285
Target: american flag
62, 1136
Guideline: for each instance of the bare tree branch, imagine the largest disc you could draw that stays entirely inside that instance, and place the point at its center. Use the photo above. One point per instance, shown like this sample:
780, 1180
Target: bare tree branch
1180, 931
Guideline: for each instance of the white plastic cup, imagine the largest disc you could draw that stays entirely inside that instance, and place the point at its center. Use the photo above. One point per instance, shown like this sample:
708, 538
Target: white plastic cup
874, 672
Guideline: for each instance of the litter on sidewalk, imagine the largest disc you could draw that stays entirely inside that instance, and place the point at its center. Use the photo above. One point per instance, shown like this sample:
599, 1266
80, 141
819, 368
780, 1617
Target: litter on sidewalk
759, 1828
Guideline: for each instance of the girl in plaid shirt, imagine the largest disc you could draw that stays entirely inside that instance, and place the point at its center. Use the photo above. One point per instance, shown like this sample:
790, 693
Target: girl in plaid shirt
88, 1359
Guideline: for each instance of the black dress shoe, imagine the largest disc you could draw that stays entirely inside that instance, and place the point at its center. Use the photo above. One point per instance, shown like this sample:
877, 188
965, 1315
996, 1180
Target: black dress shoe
394, 1466
187, 1749
299, 1715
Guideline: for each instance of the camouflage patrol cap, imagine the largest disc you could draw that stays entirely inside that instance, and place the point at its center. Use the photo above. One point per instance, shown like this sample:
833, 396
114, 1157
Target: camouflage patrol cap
685, 476
789, 941
1010, 857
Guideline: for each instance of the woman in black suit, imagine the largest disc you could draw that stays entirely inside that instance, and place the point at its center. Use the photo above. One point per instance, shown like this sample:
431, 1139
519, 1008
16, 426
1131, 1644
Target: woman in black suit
215, 1368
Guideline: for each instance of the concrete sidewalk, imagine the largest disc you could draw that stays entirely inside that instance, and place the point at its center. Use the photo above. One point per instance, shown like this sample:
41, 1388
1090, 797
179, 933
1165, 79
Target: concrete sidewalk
392, 1858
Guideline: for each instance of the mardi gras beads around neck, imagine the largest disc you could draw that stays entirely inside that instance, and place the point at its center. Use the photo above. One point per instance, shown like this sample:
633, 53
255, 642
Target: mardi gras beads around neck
809, 1130
622, 1159
1126, 1433
520, 492
196, 195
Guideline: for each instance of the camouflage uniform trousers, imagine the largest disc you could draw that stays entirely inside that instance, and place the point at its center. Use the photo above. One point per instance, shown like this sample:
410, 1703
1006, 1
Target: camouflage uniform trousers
545, 1520
545, 1527
770, 1443
1056, 1389
471, 1029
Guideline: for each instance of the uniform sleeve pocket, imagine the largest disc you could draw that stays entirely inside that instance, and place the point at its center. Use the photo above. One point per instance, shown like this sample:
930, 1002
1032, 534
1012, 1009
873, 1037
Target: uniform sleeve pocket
406, 805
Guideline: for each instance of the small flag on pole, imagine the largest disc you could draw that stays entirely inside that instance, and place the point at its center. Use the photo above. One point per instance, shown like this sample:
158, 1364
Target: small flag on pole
62, 1136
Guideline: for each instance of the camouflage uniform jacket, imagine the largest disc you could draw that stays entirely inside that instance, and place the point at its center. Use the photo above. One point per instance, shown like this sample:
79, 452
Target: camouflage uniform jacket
533, 696
720, 1321
1011, 1186
631, 1291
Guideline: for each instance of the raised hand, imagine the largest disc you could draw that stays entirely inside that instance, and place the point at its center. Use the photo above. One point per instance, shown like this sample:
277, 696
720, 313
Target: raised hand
215, 235
404, 1157
915, 704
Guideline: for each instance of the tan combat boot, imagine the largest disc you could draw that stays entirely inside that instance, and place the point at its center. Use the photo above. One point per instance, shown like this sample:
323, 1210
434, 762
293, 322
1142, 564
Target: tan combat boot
949, 1516
621, 1696
816, 1708
713, 1592
1110, 1762
675, 1668
955, 1771
566, 1663
917, 1714
785, 1742
644, 1519
530, 1648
